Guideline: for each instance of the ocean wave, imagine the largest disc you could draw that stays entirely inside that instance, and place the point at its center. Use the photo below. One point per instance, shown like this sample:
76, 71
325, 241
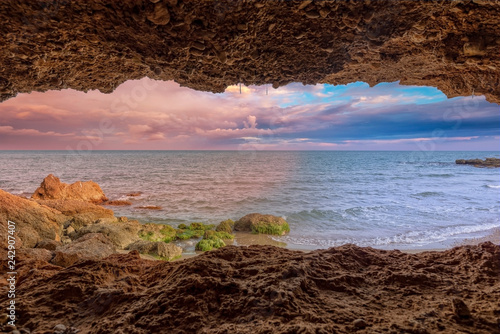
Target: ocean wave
492, 186
428, 194
437, 175
410, 238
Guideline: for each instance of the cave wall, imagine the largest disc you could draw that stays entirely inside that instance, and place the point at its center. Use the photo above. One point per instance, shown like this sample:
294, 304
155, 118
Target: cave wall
209, 45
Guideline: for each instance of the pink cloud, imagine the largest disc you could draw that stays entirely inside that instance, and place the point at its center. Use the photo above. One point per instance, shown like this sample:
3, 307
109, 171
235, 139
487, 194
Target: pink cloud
146, 114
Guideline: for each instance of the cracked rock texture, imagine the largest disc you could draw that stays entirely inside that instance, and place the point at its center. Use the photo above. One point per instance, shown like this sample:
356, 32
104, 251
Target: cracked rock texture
208, 45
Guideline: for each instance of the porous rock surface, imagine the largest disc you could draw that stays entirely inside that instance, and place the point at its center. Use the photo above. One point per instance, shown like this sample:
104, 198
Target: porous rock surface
33, 222
89, 246
208, 45
265, 289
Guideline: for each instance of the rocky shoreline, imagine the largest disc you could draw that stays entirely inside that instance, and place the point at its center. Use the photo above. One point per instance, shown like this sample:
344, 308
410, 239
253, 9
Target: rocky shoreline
488, 162
80, 268
69, 221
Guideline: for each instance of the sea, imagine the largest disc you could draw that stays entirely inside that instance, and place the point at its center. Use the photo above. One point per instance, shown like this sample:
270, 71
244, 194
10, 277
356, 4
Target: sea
388, 200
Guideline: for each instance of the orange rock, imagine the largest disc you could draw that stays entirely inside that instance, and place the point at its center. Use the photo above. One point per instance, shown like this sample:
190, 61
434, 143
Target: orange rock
53, 188
33, 222
79, 212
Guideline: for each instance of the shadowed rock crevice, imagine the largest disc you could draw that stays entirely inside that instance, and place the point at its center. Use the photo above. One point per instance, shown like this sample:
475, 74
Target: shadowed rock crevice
209, 45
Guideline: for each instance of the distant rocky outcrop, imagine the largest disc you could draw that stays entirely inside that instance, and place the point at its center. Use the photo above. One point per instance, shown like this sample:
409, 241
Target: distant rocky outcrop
117, 202
488, 162
264, 224
52, 188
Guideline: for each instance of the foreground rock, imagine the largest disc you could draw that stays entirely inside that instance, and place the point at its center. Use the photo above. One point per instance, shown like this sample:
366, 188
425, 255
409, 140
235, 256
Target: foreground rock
488, 162
52, 188
91, 246
158, 249
452, 45
264, 289
34, 222
263, 224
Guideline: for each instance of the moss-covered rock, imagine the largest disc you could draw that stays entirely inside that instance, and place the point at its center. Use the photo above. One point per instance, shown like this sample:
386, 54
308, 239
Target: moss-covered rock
225, 226
201, 226
182, 227
210, 243
166, 233
157, 232
221, 235
263, 224
208, 234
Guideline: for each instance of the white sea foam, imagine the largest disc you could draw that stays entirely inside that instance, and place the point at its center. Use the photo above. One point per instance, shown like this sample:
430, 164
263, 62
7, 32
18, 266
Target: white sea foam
410, 238
492, 186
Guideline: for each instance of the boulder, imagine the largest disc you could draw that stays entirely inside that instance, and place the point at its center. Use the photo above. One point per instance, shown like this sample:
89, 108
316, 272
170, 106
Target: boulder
225, 226
81, 213
52, 188
34, 222
157, 232
158, 249
91, 246
120, 234
209, 242
264, 224
33, 254
50, 245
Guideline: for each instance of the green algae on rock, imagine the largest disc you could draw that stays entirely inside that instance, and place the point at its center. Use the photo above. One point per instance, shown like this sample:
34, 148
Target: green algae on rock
225, 226
262, 224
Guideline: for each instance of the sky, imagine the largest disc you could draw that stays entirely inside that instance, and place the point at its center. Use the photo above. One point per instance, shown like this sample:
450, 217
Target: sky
154, 115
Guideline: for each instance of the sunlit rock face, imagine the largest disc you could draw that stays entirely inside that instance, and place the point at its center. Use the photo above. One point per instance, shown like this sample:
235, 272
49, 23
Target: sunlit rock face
208, 45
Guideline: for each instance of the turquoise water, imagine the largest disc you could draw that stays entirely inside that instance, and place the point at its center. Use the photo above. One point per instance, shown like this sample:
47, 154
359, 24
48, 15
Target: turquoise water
381, 199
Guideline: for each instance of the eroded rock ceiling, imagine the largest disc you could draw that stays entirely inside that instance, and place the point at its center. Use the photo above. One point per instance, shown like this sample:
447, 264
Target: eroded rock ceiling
209, 45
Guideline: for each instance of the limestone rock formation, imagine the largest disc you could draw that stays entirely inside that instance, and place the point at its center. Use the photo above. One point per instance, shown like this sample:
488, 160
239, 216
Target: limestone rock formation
265, 224
157, 248
80, 213
121, 234
264, 289
34, 222
208, 45
90, 246
52, 189
48, 244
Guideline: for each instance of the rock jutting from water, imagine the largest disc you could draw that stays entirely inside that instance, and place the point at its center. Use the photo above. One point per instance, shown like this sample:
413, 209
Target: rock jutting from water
488, 162
52, 189
262, 224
